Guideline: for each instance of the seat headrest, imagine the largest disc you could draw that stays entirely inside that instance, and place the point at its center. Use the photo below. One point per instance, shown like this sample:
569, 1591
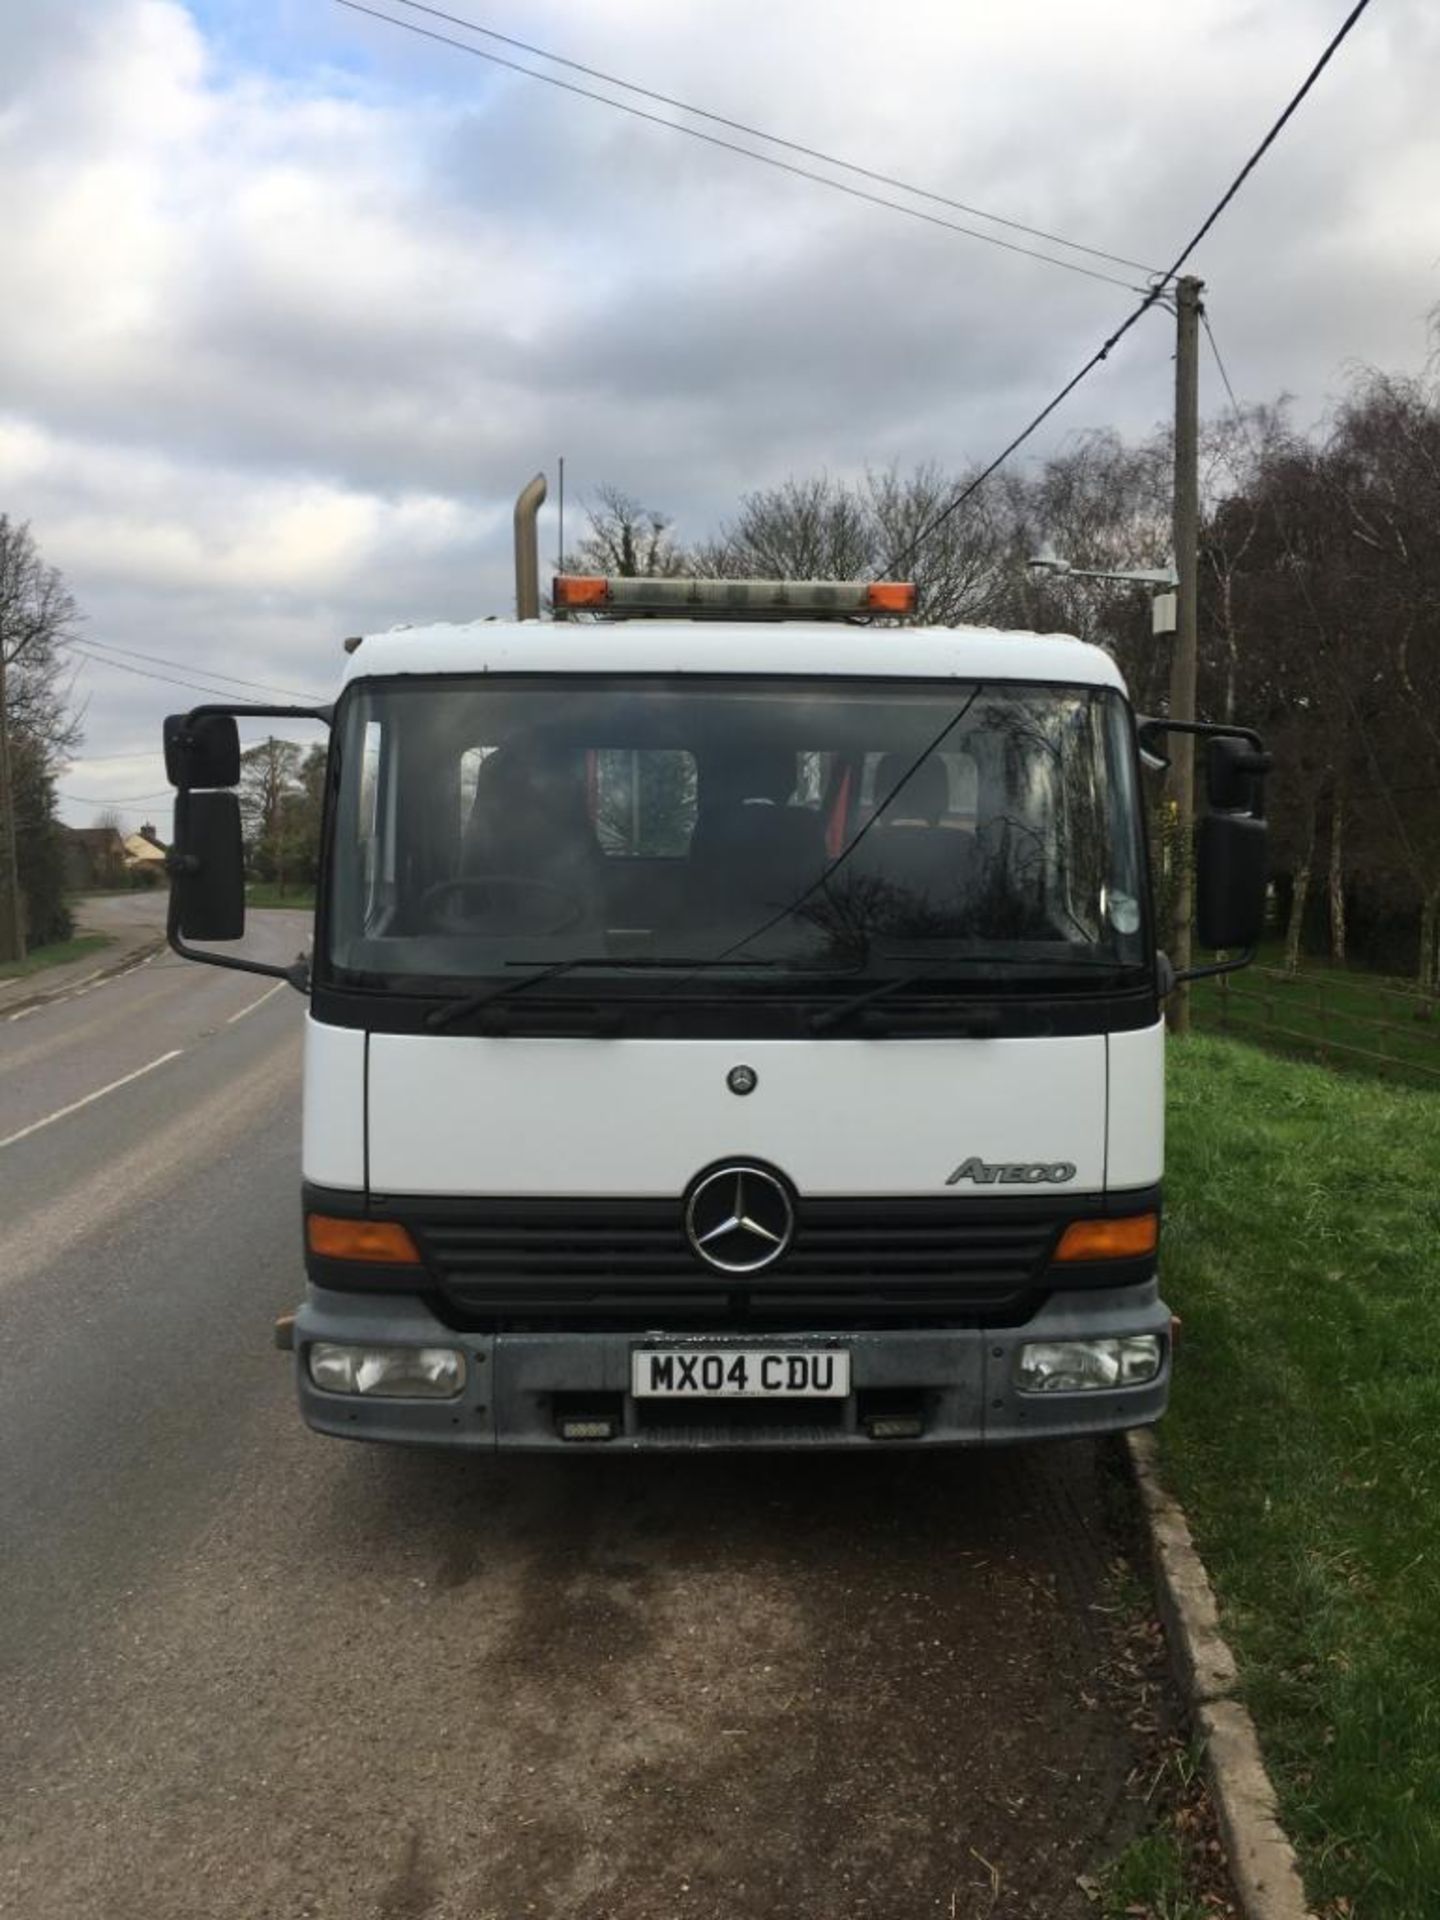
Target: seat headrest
924, 796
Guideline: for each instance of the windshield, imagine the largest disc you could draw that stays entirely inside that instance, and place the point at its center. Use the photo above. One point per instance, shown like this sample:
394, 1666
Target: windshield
877, 827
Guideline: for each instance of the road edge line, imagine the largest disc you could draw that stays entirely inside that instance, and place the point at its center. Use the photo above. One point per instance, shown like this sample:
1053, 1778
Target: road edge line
136, 957
1263, 1867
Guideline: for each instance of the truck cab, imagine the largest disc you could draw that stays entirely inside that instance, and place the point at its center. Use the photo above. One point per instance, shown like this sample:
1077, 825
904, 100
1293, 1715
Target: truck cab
732, 1022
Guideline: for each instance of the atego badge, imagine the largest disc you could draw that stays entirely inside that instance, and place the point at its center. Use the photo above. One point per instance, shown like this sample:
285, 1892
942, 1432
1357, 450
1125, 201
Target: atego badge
1012, 1173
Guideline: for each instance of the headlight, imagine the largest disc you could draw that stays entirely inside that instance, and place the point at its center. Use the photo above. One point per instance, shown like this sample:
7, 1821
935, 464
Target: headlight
1074, 1366
396, 1373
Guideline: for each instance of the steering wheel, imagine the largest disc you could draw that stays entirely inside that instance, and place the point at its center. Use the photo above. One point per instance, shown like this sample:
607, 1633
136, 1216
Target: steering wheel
441, 905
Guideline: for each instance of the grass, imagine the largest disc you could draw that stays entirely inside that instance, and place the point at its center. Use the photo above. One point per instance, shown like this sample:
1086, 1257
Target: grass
1152, 1878
55, 955
1304, 1439
1343, 1015
264, 893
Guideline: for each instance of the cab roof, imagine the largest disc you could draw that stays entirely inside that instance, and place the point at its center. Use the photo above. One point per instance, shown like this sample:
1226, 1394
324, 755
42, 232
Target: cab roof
741, 648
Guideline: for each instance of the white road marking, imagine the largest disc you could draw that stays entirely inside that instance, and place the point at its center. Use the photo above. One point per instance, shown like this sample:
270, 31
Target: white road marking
269, 994
87, 983
99, 1094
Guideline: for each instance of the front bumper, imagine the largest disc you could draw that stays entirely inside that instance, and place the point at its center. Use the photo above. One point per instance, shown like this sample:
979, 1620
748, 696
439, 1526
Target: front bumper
962, 1380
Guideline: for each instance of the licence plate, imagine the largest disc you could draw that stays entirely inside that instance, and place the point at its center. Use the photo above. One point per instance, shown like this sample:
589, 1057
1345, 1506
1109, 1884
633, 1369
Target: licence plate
739, 1373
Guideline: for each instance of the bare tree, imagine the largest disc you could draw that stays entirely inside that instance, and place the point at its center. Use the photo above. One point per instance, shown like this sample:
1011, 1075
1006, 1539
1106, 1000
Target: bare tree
891, 522
814, 529
625, 540
1383, 466
38, 615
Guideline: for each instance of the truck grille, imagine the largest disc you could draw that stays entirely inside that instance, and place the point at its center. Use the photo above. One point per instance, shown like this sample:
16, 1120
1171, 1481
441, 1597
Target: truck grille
851, 1260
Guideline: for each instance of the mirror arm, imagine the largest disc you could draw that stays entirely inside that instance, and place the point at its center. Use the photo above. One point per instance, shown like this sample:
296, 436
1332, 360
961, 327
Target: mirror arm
1150, 728
298, 974
1242, 959
325, 714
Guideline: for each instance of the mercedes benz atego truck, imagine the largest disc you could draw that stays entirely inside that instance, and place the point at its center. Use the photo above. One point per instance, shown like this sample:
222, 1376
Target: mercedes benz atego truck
735, 1019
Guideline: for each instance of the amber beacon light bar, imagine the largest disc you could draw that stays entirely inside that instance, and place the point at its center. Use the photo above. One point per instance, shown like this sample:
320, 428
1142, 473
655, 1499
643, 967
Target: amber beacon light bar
642, 599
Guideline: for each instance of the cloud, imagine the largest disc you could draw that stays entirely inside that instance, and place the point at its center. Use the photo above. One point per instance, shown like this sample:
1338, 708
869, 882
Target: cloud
297, 301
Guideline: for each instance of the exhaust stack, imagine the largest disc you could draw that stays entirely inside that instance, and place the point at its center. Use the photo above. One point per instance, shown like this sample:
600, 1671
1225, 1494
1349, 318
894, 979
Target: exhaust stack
527, 549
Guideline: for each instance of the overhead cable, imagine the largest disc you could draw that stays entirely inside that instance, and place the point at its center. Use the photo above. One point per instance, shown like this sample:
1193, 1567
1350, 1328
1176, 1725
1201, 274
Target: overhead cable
83, 649
165, 660
170, 679
1152, 298
133, 803
730, 146
773, 139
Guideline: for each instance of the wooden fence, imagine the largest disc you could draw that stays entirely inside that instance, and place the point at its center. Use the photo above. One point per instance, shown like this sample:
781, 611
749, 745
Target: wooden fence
1340, 1019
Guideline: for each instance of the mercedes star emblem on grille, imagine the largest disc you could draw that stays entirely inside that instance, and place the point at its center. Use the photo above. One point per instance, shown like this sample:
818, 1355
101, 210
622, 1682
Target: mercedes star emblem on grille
739, 1219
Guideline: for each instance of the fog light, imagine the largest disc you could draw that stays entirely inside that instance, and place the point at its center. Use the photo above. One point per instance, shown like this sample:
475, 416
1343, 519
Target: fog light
1074, 1366
395, 1373
895, 1426
579, 1426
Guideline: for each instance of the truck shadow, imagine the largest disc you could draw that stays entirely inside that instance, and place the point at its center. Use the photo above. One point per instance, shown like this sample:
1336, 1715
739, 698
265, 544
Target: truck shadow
634, 1514
778, 1675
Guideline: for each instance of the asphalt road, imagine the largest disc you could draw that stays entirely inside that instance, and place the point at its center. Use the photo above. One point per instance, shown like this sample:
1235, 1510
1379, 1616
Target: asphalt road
245, 1671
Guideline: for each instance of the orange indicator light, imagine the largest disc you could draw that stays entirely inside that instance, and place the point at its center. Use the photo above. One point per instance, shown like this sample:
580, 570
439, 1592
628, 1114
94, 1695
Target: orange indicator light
1127, 1239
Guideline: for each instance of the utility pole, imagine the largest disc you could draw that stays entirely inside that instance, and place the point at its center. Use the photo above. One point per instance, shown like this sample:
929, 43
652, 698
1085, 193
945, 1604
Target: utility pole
12, 920
1182, 664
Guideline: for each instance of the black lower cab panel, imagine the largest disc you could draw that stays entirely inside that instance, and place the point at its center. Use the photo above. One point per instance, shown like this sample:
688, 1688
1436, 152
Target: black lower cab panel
949, 1260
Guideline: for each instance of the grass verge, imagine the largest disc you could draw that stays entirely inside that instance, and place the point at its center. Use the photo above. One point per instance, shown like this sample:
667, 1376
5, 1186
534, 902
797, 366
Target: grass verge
266, 894
1304, 1440
56, 955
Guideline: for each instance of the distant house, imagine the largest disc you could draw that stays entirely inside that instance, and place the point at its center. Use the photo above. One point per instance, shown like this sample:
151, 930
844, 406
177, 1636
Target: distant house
94, 858
99, 858
144, 853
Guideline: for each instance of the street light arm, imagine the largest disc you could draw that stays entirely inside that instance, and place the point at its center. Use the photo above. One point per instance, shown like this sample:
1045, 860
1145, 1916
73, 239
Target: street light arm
1047, 562
1135, 576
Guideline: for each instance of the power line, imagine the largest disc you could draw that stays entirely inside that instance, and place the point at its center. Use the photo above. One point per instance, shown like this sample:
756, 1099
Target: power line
170, 679
729, 146
1239, 411
133, 803
164, 660
832, 867
774, 139
94, 759
99, 660
1152, 298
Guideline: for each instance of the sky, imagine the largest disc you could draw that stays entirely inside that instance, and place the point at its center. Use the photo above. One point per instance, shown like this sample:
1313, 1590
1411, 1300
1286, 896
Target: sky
295, 301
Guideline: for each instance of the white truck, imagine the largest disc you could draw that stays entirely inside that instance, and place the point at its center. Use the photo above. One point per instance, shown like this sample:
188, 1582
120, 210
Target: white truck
735, 1020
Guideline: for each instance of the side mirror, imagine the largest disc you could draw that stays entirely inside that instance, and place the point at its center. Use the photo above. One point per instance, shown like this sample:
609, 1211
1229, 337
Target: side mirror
208, 868
202, 751
1232, 845
1232, 857
1235, 775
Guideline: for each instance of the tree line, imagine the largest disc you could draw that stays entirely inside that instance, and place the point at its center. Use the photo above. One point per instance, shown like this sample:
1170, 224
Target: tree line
282, 793
1319, 614
40, 726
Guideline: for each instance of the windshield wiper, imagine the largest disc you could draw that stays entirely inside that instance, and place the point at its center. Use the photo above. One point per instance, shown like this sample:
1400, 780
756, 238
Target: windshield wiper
1041, 966
454, 1010
980, 1021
